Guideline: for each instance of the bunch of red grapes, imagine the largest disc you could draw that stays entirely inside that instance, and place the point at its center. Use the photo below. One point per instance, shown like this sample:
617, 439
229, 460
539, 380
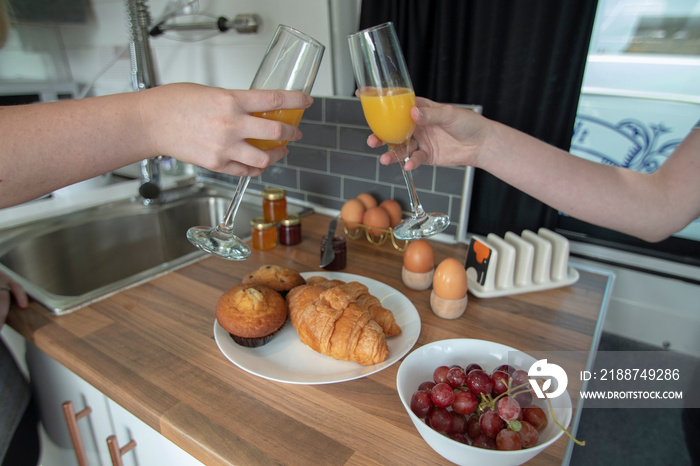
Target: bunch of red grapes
486, 411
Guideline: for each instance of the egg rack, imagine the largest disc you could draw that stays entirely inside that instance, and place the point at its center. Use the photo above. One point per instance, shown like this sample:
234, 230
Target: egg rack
358, 230
518, 263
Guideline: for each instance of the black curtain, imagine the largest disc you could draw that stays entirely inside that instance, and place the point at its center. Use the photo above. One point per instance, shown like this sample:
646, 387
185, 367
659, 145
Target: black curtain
522, 60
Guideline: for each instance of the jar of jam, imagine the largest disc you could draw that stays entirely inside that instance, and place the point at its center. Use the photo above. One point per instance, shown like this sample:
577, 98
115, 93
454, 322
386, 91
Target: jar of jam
274, 204
290, 230
264, 234
339, 246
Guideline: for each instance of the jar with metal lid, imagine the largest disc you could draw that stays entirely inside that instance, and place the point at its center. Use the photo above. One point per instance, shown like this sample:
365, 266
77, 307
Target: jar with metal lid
339, 246
274, 204
290, 230
264, 234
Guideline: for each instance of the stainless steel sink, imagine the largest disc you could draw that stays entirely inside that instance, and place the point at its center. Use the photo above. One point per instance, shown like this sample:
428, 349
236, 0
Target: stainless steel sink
69, 261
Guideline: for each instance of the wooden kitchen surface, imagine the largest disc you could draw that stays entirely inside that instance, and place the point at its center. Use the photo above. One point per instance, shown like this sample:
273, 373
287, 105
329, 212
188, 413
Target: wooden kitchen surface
151, 349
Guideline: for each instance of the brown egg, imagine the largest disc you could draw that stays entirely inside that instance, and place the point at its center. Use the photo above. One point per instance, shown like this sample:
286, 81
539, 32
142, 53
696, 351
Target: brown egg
352, 211
393, 209
376, 217
367, 199
419, 256
450, 280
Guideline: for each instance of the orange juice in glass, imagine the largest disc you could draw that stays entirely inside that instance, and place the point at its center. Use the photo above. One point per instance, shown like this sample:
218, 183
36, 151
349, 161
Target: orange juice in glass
388, 113
291, 63
292, 117
387, 96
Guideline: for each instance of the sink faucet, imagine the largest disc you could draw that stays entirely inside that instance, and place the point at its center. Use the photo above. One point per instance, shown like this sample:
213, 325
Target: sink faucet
143, 71
143, 76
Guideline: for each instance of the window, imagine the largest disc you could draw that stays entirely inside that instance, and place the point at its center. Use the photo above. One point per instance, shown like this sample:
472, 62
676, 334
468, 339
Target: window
640, 97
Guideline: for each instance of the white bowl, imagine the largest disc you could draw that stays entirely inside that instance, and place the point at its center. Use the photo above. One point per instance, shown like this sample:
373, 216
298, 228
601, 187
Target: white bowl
419, 366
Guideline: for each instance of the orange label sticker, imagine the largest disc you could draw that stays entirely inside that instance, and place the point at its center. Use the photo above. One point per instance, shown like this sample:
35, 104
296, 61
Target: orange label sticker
482, 252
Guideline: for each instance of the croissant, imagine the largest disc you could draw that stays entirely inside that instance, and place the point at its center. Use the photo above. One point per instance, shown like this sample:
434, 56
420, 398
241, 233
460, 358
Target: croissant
338, 319
360, 294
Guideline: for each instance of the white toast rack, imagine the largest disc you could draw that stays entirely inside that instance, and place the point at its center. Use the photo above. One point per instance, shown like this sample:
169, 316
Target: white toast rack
518, 264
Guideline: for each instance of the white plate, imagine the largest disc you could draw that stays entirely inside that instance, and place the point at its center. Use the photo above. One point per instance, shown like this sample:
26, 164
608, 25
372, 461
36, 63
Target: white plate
286, 359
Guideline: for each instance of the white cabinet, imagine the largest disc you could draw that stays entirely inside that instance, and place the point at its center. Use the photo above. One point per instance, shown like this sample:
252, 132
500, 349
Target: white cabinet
54, 384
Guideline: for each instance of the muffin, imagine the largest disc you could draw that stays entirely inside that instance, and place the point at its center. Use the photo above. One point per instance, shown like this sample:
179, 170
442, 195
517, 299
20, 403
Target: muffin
251, 313
280, 279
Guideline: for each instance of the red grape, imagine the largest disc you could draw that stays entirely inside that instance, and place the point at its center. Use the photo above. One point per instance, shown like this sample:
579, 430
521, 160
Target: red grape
479, 382
535, 416
523, 397
508, 369
528, 434
520, 379
490, 424
459, 423
500, 382
443, 395
465, 402
520, 388
471, 367
473, 430
441, 420
440, 374
456, 436
460, 405
421, 404
508, 440
483, 441
508, 408
456, 377
426, 386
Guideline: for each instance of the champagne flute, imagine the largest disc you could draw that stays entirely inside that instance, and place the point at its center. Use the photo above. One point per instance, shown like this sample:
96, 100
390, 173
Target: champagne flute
387, 96
290, 63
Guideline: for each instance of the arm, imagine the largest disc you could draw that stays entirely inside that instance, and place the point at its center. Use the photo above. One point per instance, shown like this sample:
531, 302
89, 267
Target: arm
9, 288
649, 206
48, 146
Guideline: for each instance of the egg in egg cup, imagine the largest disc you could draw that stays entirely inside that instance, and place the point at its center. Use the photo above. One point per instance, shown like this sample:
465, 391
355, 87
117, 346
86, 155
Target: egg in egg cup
417, 280
418, 265
449, 296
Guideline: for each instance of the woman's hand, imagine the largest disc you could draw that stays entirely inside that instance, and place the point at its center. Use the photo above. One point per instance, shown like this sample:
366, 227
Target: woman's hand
9, 288
208, 126
445, 135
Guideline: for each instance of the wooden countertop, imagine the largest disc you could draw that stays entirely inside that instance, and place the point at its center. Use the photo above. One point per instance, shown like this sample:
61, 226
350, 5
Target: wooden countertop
151, 349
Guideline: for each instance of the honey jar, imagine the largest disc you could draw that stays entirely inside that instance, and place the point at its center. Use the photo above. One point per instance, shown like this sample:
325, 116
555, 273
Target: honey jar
274, 204
290, 230
264, 234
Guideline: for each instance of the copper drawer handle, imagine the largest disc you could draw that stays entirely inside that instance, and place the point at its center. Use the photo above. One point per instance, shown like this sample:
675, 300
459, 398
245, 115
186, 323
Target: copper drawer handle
74, 431
115, 452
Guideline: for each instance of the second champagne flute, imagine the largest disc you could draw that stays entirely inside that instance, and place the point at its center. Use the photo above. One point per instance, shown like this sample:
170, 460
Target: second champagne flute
387, 97
290, 63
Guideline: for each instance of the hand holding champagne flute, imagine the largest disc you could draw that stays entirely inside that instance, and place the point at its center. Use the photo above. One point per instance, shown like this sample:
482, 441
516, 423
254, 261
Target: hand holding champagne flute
387, 96
290, 63
292, 117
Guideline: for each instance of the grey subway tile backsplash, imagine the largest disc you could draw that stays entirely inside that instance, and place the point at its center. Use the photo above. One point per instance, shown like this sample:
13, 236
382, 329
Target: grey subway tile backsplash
360, 166
345, 112
450, 180
422, 176
315, 112
352, 187
332, 163
318, 134
355, 139
320, 183
325, 201
280, 175
313, 158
